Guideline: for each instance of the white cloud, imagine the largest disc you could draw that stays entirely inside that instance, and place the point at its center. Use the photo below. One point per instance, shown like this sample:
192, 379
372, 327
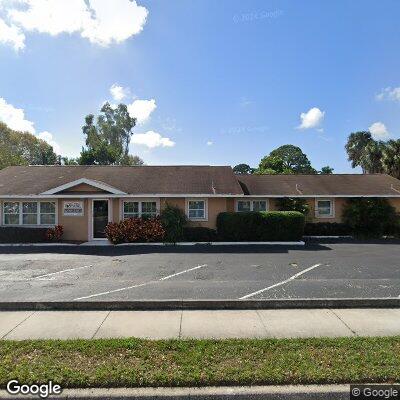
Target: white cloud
151, 140
114, 21
48, 137
15, 117
210, 143
118, 92
11, 35
378, 131
312, 118
389, 94
102, 22
141, 109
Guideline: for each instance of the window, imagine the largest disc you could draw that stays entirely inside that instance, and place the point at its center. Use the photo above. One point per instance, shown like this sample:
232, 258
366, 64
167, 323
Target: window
251, 205
244, 206
29, 213
149, 209
47, 213
259, 205
197, 209
136, 209
324, 208
11, 213
131, 209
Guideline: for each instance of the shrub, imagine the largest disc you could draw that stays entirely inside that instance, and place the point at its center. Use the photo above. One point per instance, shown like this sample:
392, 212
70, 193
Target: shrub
17, 234
173, 220
293, 204
327, 229
55, 234
135, 230
260, 226
370, 217
199, 234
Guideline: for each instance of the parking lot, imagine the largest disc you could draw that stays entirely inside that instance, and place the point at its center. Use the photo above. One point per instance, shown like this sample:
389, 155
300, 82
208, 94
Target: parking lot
320, 270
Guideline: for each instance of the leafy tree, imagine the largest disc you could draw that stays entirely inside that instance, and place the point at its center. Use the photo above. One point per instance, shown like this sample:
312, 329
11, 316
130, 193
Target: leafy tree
243, 169
391, 158
285, 160
23, 148
69, 161
293, 204
107, 136
355, 148
132, 160
327, 170
370, 217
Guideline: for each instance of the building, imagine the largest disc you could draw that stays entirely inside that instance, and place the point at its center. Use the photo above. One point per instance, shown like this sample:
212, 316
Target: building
83, 199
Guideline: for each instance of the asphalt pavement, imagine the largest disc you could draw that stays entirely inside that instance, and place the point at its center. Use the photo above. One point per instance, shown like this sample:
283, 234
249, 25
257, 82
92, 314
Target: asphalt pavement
319, 270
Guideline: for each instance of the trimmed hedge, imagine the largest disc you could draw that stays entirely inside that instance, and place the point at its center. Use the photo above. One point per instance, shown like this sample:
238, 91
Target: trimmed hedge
260, 226
327, 229
17, 234
135, 230
199, 234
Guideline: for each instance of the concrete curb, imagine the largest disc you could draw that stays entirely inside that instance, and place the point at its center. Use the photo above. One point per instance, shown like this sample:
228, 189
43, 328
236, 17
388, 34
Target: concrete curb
102, 244
295, 392
163, 305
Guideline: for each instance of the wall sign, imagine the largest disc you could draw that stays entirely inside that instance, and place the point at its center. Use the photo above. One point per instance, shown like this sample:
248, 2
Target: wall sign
73, 208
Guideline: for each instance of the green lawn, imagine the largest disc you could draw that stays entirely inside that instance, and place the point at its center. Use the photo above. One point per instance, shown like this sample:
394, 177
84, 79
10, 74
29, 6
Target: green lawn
135, 362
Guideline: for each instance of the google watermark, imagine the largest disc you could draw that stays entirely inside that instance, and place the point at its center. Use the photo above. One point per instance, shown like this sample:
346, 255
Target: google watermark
257, 15
386, 392
44, 390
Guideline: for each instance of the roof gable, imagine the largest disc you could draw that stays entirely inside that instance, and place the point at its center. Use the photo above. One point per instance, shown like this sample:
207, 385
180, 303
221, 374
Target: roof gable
90, 182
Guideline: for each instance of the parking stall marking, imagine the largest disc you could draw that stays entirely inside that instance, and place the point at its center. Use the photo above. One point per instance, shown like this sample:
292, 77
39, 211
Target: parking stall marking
141, 284
280, 283
44, 276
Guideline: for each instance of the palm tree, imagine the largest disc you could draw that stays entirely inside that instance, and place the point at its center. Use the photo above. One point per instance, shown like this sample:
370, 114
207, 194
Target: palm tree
371, 158
355, 147
391, 158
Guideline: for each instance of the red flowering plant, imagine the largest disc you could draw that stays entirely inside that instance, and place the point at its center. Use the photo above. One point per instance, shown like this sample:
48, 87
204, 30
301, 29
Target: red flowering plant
135, 230
55, 234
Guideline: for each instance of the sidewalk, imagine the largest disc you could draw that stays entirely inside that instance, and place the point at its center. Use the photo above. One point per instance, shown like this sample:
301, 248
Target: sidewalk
20, 325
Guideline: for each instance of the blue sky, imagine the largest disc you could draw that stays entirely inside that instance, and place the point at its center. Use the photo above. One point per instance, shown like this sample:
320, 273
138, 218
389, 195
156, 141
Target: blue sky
215, 82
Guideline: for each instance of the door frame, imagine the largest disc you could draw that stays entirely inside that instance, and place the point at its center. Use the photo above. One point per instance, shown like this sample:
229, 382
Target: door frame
91, 220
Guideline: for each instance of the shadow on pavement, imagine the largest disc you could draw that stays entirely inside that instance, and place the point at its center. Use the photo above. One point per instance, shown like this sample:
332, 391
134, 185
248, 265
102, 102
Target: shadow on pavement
126, 250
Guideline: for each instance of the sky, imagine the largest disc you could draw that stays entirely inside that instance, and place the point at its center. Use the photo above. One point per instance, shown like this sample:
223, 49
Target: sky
210, 82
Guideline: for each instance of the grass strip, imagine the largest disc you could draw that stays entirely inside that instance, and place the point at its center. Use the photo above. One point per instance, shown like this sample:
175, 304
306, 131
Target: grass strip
140, 363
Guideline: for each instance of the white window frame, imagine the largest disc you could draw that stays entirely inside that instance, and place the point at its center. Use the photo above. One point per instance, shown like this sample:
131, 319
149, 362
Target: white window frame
20, 215
140, 201
331, 215
251, 203
205, 209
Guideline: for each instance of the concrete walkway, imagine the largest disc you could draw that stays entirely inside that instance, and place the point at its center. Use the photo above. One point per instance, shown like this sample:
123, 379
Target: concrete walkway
20, 325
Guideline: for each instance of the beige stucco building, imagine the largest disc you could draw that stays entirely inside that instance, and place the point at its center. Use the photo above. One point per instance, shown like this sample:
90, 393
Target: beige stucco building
83, 199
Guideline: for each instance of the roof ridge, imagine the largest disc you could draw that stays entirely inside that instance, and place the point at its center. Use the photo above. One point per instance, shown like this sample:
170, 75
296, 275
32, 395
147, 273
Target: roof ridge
124, 166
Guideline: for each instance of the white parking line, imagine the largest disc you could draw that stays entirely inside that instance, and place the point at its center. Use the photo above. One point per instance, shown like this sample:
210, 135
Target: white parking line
280, 283
141, 284
58, 272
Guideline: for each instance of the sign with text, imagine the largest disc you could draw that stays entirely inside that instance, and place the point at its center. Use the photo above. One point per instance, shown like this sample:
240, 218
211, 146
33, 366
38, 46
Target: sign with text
73, 208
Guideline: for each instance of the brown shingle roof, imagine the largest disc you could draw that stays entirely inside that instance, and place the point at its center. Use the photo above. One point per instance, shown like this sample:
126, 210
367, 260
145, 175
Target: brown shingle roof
33, 180
325, 185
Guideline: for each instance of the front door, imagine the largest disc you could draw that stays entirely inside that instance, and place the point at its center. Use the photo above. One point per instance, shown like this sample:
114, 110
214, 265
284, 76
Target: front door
100, 218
